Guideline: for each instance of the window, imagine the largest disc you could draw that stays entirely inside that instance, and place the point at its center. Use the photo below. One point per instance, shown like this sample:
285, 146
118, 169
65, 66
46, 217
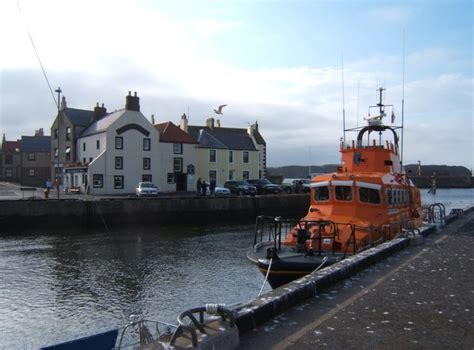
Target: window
97, 180
245, 156
321, 193
212, 155
118, 181
146, 144
170, 178
146, 164
178, 165
118, 162
84, 160
68, 133
31, 156
231, 156
9, 172
389, 196
178, 148
83, 146
55, 153
31, 172
343, 193
212, 174
8, 159
97, 144
90, 159
245, 175
369, 195
118, 142
146, 178
56, 133
68, 153
231, 174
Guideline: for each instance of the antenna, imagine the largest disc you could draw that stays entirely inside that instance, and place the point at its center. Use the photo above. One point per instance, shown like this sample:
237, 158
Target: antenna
403, 99
343, 103
358, 95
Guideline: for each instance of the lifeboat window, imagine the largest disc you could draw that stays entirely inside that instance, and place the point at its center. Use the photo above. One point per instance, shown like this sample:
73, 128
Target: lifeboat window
389, 196
321, 193
343, 193
369, 195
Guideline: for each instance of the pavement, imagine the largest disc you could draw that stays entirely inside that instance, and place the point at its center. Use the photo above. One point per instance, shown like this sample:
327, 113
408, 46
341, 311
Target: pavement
419, 298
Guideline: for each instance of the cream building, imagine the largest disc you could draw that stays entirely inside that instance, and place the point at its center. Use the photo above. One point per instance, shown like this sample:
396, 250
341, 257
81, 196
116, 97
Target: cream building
227, 153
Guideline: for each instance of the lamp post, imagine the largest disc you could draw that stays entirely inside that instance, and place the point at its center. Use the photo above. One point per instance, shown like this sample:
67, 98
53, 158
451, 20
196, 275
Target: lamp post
58, 91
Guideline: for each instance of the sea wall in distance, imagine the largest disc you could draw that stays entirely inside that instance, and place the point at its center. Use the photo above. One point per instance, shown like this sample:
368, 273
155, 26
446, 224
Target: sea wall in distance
167, 210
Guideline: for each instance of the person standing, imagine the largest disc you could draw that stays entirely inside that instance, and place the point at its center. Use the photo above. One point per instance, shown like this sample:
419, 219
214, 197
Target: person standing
198, 187
212, 186
203, 187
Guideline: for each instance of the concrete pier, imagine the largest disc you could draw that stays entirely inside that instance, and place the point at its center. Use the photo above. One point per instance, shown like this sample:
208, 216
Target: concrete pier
419, 297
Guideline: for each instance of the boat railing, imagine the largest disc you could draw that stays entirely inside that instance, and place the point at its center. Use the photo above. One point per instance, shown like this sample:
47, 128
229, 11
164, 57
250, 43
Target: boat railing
271, 229
435, 214
141, 332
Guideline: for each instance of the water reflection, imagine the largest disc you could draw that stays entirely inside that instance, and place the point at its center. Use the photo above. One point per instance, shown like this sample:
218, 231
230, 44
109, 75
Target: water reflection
58, 286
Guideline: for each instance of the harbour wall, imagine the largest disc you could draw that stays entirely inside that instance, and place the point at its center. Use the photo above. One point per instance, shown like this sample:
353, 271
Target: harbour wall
163, 210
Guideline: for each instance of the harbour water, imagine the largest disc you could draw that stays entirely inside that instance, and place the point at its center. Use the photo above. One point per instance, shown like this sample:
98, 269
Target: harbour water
56, 286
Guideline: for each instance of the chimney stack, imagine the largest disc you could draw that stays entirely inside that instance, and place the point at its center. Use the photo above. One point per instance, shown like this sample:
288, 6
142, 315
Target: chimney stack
39, 132
210, 123
63, 103
132, 103
99, 112
183, 123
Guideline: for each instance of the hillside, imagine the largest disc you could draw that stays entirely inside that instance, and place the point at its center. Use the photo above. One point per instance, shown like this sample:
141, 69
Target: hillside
446, 176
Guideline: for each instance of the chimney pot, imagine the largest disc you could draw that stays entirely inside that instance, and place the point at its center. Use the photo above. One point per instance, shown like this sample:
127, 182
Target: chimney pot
135, 94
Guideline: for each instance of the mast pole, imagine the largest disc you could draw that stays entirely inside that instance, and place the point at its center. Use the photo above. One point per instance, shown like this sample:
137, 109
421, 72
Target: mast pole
403, 99
343, 103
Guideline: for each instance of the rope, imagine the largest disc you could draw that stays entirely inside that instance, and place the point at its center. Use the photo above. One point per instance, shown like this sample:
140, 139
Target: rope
213, 309
266, 277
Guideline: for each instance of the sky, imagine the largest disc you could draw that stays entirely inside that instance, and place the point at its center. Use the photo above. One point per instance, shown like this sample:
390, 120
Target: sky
292, 66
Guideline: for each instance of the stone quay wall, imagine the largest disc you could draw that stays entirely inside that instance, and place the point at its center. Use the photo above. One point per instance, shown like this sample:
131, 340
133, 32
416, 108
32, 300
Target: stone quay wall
169, 210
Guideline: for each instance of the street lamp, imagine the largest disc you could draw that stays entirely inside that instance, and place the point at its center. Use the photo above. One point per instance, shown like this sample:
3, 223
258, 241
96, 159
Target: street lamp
58, 91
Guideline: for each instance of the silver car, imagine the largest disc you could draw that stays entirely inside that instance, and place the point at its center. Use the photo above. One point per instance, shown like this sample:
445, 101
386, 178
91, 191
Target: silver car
146, 189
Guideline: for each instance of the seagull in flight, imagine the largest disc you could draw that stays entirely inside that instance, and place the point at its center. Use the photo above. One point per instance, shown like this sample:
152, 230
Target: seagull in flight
219, 109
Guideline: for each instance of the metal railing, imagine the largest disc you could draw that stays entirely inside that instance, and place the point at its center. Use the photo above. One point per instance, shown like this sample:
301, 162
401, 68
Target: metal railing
274, 229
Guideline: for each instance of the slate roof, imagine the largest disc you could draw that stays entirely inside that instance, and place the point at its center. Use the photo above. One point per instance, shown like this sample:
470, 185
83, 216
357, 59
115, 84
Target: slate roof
79, 117
102, 124
218, 137
172, 133
36, 144
259, 138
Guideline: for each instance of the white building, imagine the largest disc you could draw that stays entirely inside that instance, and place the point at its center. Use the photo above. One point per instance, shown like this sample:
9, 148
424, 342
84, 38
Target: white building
116, 152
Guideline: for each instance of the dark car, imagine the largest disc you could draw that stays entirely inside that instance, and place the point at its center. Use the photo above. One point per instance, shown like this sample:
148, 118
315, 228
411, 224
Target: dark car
264, 186
240, 187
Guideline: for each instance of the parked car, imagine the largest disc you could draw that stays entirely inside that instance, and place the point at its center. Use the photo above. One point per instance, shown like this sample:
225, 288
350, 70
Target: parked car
146, 189
264, 186
240, 187
296, 185
218, 191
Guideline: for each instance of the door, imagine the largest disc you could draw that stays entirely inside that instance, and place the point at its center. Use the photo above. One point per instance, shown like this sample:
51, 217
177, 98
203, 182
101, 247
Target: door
181, 182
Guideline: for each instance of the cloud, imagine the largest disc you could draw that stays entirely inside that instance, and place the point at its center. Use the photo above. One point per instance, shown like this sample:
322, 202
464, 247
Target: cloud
298, 108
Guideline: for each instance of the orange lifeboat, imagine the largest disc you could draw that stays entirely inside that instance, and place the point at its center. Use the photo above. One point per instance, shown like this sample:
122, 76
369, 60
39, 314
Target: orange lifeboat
368, 200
